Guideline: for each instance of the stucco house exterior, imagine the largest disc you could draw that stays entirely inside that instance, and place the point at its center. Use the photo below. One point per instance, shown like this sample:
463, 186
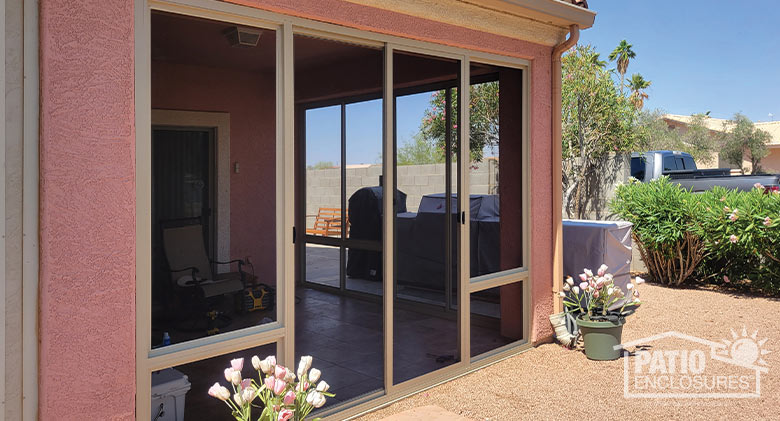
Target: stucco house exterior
771, 163
146, 141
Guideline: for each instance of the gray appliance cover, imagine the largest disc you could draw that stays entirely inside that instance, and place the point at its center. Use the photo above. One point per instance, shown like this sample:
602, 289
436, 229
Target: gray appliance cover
588, 244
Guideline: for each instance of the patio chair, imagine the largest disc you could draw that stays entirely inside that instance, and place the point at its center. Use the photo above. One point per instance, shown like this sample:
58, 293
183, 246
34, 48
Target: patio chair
328, 223
191, 271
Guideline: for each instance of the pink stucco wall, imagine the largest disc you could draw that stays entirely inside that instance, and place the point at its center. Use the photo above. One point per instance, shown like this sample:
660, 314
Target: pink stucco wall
87, 211
249, 97
87, 191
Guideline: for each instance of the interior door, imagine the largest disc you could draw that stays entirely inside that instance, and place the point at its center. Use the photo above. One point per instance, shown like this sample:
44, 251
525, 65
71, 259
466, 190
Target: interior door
182, 189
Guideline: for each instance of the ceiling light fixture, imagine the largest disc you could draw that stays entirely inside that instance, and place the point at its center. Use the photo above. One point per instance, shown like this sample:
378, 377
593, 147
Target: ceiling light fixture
242, 37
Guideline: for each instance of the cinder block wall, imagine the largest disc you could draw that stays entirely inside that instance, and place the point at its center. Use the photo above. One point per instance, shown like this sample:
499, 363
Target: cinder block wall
323, 186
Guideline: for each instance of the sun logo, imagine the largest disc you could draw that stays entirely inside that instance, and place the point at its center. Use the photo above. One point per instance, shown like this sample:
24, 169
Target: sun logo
745, 350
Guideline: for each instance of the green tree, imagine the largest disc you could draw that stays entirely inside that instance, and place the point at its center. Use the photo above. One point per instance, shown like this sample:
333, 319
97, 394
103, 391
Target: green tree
321, 165
598, 121
638, 84
740, 138
420, 150
622, 54
655, 134
483, 122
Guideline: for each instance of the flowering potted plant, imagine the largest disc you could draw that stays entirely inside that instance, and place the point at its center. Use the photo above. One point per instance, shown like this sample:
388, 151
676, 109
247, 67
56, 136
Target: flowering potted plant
285, 396
600, 308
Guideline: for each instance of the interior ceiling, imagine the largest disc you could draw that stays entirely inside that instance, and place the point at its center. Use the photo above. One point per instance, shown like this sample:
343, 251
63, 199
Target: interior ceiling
201, 42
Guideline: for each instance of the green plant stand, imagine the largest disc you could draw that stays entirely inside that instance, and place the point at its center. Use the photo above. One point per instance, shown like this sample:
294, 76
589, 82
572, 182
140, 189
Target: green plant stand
600, 338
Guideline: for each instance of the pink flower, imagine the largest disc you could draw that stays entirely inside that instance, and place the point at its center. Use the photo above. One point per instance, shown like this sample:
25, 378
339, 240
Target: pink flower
289, 398
279, 386
249, 394
758, 186
583, 277
726, 279
596, 294
237, 364
767, 221
219, 392
280, 372
733, 239
734, 215
285, 414
602, 270
583, 285
246, 383
269, 382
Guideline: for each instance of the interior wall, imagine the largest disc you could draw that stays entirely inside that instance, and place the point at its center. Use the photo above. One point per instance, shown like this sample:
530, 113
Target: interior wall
249, 97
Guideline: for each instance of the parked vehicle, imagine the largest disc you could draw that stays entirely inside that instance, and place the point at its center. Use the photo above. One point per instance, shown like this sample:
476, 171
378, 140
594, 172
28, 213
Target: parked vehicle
681, 169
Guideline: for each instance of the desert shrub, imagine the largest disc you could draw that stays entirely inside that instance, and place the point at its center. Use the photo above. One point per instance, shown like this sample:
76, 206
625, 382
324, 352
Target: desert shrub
715, 236
666, 227
742, 238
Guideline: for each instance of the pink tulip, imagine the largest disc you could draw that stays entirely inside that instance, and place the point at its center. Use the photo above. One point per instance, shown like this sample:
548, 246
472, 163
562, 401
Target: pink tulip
289, 398
269, 382
596, 294
602, 270
219, 392
280, 372
246, 383
583, 286
583, 277
279, 386
237, 364
285, 414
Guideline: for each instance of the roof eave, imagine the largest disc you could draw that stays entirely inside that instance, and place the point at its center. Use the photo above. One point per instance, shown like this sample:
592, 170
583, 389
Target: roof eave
555, 12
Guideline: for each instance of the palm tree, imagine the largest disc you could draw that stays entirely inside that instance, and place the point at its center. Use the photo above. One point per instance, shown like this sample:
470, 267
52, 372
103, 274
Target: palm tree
638, 84
622, 53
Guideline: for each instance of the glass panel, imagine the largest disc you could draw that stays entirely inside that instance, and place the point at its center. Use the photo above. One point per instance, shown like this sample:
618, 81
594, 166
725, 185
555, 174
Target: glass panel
496, 206
323, 171
496, 318
339, 317
426, 225
182, 392
213, 208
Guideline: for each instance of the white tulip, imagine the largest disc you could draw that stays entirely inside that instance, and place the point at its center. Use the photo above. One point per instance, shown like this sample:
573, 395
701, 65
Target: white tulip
566, 287
588, 272
323, 386
314, 375
236, 378
239, 400
570, 280
304, 365
248, 394
576, 290
256, 362
562, 294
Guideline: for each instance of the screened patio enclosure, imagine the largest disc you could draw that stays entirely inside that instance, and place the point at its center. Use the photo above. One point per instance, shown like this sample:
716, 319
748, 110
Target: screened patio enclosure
361, 186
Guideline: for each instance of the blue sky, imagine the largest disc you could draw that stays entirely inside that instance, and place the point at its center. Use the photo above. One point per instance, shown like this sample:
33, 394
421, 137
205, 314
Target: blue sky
719, 56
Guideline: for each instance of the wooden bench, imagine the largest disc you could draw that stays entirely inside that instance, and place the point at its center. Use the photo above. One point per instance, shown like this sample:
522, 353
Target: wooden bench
328, 223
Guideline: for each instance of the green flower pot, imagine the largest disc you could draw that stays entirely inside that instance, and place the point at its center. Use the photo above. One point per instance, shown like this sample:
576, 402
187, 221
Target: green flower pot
601, 337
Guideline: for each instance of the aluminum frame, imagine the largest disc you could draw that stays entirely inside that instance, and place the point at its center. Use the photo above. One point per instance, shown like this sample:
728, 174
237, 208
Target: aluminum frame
282, 331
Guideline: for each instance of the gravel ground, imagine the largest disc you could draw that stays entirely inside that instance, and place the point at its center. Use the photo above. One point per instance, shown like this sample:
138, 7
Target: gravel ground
552, 382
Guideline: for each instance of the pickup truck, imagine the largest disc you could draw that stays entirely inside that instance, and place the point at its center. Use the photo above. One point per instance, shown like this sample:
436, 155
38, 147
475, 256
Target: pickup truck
681, 169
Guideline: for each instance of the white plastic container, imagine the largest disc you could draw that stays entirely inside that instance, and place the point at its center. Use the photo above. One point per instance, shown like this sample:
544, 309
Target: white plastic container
169, 388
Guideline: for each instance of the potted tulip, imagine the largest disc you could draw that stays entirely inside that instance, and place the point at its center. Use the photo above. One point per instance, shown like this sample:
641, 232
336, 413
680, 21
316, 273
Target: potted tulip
600, 308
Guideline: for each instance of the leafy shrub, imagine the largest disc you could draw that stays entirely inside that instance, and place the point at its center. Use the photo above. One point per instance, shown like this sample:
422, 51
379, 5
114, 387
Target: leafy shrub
715, 236
742, 237
666, 227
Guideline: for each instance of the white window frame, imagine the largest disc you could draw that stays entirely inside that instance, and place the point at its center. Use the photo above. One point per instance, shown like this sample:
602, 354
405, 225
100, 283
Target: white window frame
281, 332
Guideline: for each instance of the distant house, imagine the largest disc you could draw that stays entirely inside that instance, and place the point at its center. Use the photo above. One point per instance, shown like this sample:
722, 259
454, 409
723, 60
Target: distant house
770, 164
